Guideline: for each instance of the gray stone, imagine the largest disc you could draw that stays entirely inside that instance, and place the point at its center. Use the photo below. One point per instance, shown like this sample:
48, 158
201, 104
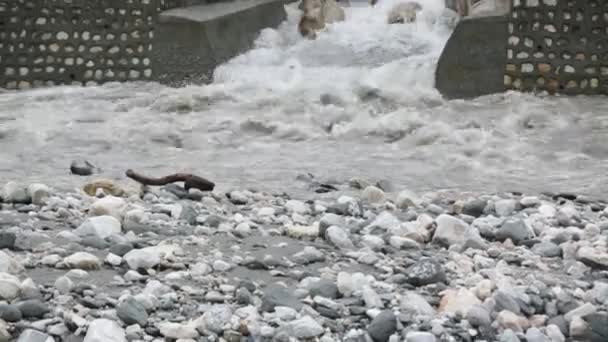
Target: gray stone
15, 193
382, 326
304, 328
324, 288
504, 301
535, 335
39, 193
188, 214
474, 207
415, 305
243, 296
329, 220
10, 313
547, 249
121, 249
384, 222
217, 318
177, 331
94, 242
33, 308
505, 207
372, 194
450, 230
131, 311
597, 327
278, 295
581, 311
105, 330
509, 336
479, 316
338, 237
555, 334
560, 322
515, 229
308, 255
425, 272
420, 336
31, 335
213, 221
592, 257
7, 240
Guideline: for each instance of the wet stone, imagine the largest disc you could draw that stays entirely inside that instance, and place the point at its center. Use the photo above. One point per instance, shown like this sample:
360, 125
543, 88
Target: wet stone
425, 272
10, 313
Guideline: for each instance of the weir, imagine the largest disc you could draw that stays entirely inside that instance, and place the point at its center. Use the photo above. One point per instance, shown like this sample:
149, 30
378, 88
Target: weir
83, 42
556, 46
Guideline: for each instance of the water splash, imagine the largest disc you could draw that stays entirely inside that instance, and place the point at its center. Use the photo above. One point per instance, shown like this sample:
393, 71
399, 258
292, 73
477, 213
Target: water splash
358, 101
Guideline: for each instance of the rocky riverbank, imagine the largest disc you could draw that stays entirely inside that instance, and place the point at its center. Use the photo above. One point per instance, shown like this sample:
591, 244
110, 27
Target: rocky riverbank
166, 265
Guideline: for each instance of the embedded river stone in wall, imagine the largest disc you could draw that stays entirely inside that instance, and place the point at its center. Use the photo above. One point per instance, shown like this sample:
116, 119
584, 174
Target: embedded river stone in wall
84, 42
558, 46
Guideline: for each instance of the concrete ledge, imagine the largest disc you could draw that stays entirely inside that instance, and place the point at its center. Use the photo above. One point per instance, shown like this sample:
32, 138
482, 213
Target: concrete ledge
473, 60
190, 42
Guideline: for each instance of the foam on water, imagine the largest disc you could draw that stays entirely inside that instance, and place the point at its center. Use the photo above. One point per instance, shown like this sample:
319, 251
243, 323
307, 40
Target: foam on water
358, 101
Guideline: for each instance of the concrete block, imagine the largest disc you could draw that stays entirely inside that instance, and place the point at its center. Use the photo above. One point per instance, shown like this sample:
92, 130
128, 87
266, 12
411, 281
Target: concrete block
473, 60
190, 42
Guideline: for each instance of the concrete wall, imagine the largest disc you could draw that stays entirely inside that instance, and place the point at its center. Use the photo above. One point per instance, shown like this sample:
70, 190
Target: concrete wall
554, 45
51, 42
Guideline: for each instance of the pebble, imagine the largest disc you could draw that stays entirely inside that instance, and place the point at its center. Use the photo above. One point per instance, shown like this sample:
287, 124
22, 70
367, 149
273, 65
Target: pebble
109, 205
142, 258
33, 308
104, 330
382, 326
425, 272
414, 304
278, 295
31, 335
15, 193
450, 231
39, 193
338, 237
304, 328
514, 229
83, 261
10, 286
420, 336
324, 288
99, 226
131, 311
10, 313
177, 330
505, 207
372, 194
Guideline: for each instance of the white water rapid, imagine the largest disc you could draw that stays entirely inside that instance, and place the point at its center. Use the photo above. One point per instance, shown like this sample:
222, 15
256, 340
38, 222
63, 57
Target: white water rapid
358, 101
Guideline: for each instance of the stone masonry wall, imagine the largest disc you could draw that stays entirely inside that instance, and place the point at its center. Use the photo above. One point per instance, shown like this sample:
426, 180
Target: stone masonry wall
560, 46
50, 42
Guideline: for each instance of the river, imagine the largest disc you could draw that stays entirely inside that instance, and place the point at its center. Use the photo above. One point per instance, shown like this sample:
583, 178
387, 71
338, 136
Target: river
358, 101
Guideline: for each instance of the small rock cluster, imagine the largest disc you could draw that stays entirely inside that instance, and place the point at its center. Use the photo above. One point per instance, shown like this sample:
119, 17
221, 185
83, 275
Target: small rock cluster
176, 266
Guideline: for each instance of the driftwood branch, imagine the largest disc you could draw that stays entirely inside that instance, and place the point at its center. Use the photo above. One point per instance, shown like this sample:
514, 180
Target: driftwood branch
190, 181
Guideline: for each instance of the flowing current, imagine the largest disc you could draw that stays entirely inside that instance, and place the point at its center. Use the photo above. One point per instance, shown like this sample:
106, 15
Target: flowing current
359, 101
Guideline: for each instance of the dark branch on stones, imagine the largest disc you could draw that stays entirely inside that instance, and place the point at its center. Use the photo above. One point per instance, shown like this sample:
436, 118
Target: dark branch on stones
190, 181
